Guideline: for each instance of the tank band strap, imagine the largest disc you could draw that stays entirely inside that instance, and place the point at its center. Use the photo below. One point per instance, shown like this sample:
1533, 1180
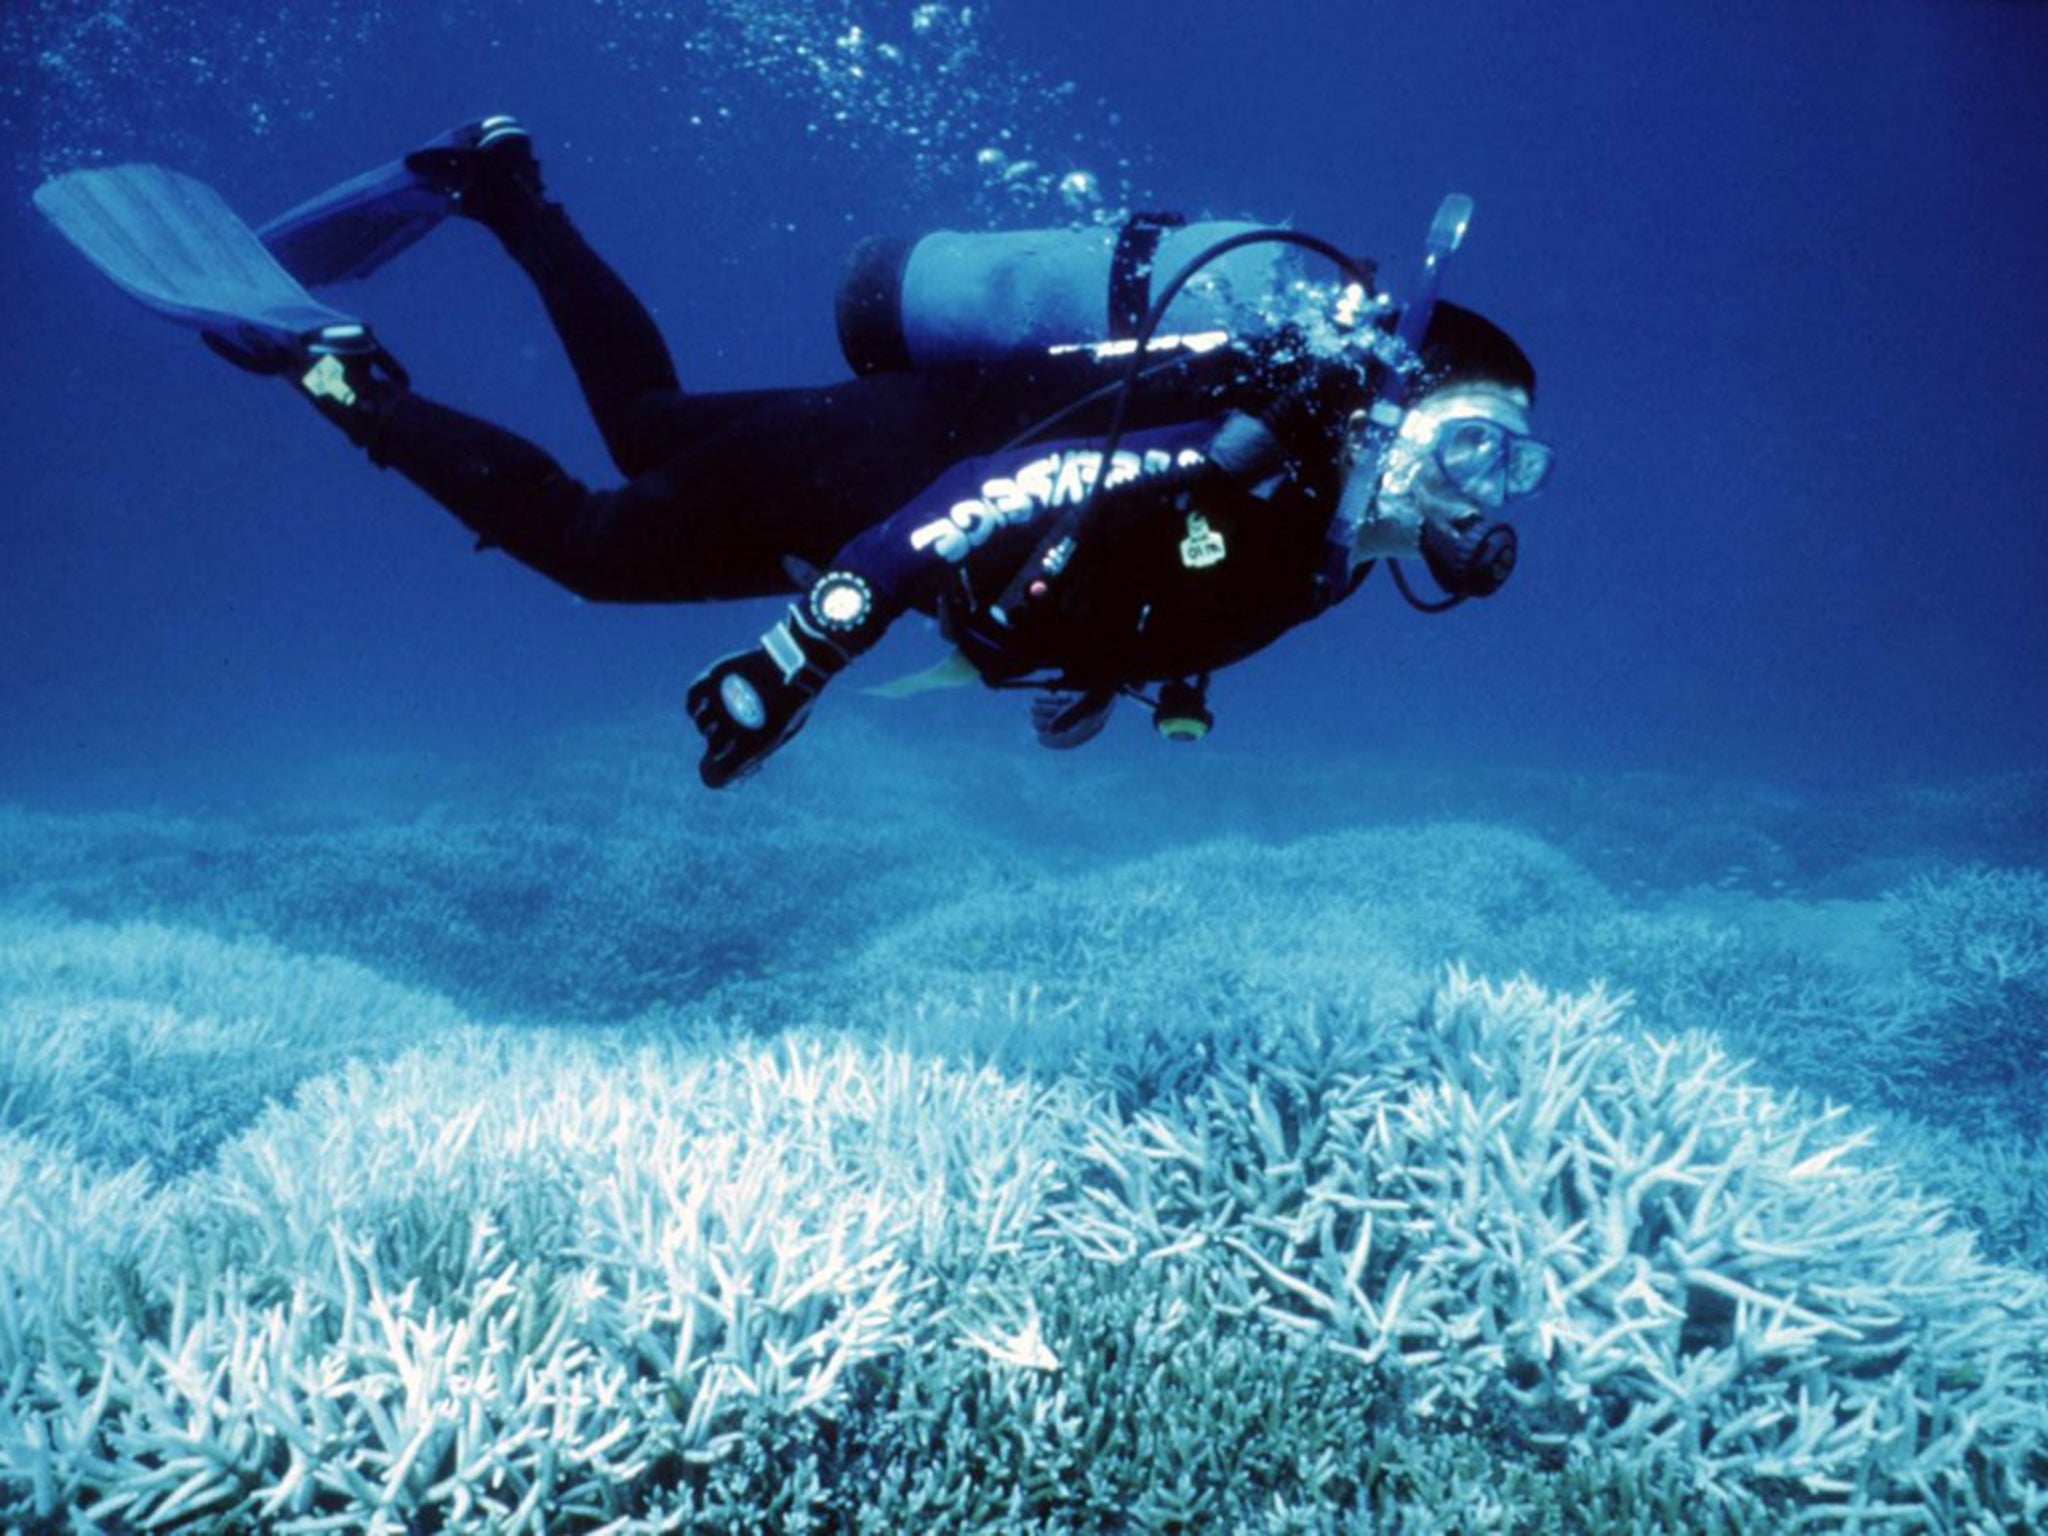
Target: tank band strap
1130, 271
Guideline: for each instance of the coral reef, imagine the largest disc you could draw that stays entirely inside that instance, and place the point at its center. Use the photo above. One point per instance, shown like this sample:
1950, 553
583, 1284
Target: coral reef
141, 1042
814, 1283
1552, 1229
1977, 938
852, 1159
499, 1285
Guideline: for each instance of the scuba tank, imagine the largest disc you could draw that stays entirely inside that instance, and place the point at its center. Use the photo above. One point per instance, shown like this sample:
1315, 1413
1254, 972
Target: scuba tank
954, 298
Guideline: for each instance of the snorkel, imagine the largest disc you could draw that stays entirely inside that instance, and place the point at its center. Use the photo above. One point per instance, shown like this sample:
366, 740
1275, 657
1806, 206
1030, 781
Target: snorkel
1382, 421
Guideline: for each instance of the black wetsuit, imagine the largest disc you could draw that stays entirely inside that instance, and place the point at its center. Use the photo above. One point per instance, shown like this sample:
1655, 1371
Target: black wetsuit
906, 480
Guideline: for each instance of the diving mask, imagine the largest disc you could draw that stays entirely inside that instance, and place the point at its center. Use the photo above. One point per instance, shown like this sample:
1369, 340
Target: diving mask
1452, 457
1490, 461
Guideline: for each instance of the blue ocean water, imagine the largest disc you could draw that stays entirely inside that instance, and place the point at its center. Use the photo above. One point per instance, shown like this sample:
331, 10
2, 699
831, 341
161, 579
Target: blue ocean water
289, 778
1776, 270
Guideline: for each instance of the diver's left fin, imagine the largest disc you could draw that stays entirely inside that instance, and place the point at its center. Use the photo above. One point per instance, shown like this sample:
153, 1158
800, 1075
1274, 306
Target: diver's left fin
172, 244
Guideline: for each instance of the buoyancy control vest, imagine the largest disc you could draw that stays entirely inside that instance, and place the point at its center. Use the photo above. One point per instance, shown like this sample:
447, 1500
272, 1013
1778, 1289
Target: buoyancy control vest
953, 298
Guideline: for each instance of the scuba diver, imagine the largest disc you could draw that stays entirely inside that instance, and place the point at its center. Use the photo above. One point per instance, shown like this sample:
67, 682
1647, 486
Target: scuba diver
1091, 505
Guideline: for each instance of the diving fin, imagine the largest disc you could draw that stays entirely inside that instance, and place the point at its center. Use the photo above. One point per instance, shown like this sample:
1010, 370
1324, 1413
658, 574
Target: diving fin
351, 230
172, 244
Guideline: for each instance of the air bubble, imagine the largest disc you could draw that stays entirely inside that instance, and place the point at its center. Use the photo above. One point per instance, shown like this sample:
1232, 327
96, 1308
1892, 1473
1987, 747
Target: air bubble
1080, 191
917, 92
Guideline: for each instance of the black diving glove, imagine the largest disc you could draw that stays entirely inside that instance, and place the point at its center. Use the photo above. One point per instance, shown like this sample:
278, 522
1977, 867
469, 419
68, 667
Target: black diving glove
751, 702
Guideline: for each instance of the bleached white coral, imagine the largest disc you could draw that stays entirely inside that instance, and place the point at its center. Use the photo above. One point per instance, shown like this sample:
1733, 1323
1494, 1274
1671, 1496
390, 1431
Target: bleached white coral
1608, 1243
1978, 939
144, 1041
518, 1281
507, 1284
